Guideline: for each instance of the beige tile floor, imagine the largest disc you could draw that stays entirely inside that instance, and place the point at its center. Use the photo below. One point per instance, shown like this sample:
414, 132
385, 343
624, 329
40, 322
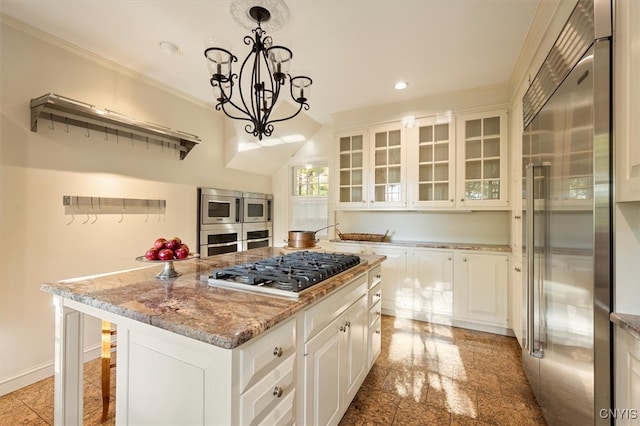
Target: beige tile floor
427, 374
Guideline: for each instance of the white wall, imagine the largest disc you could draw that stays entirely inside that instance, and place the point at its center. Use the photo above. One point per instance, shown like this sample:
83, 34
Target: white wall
37, 242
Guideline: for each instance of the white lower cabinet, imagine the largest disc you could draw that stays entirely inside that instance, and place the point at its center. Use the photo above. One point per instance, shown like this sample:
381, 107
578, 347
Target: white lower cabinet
335, 355
429, 290
464, 288
627, 379
480, 288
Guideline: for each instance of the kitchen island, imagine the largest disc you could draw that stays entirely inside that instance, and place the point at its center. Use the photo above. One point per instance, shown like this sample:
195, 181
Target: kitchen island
190, 353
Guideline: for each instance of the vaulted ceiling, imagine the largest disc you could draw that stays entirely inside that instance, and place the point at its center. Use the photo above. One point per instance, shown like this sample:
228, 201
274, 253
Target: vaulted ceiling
355, 50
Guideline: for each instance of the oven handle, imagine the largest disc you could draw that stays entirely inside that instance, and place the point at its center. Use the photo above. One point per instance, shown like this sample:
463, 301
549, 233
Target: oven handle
222, 244
257, 240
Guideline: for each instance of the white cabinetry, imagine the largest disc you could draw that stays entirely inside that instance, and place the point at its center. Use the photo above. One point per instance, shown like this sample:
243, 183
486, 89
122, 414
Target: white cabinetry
266, 376
388, 187
430, 286
626, 68
336, 353
371, 168
394, 270
353, 163
480, 288
375, 313
431, 164
482, 160
627, 378
454, 287
167, 379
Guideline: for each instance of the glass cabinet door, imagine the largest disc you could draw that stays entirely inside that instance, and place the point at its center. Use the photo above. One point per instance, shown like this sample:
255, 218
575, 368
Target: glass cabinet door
388, 168
351, 169
432, 161
482, 159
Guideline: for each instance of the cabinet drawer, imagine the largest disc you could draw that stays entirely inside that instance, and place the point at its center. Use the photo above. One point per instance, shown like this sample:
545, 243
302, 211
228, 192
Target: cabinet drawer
322, 313
375, 276
375, 341
375, 294
263, 355
374, 313
282, 414
277, 386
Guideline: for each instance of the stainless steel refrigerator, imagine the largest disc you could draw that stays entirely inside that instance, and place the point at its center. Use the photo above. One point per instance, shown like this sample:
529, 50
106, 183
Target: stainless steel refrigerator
566, 215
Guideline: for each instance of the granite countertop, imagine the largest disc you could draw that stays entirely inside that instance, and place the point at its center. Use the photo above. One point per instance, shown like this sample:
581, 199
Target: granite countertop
628, 322
187, 305
430, 244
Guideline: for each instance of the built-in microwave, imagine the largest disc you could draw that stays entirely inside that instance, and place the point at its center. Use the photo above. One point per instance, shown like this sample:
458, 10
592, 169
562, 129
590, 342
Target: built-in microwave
256, 207
218, 206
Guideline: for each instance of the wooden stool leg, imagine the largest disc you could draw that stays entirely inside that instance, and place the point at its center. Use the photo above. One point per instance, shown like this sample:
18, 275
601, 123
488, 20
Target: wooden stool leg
106, 366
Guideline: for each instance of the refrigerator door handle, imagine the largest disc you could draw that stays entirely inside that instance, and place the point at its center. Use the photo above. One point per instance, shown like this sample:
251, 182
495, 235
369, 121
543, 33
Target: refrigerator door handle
534, 282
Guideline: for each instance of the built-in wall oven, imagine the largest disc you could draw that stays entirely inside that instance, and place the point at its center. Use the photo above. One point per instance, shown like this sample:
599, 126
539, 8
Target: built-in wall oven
219, 221
256, 207
230, 221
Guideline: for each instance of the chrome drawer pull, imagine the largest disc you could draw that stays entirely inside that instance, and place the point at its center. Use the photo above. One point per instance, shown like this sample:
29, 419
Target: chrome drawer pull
277, 351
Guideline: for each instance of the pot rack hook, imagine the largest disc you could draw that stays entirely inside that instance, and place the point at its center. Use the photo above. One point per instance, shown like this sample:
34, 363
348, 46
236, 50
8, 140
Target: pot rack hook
51, 126
87, 127
106, 134
147, 218
122, 212
66, 123
72, 219
94, 213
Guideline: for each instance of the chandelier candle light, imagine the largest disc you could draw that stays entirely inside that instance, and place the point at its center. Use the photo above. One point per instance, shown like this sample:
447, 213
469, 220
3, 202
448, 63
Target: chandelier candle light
264, 72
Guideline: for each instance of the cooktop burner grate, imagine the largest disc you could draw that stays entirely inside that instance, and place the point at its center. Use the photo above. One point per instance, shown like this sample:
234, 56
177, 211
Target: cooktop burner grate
286, 275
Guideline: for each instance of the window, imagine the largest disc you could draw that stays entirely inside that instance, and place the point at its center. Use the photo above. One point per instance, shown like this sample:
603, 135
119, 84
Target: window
310, 199
311, 181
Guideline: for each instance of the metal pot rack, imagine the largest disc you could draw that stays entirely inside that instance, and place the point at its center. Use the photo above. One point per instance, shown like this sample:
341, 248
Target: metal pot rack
94, 206
60, 109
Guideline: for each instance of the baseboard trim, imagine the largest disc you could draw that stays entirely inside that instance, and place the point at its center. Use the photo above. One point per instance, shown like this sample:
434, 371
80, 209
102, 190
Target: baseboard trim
40, 372
447, 320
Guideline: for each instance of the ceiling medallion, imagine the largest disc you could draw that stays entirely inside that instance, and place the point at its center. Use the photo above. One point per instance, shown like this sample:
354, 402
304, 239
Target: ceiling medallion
262, 74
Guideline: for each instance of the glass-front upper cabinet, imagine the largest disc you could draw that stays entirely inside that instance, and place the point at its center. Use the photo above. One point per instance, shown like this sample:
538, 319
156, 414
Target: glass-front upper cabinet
482, 158
352, 169
388, 171
431, 160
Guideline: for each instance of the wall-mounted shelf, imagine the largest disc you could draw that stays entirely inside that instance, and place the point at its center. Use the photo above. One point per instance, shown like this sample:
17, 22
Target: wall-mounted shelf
56, 108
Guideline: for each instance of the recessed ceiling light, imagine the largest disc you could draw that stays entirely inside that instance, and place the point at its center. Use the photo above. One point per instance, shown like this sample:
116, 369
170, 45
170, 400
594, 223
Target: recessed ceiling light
169, 47
401, 85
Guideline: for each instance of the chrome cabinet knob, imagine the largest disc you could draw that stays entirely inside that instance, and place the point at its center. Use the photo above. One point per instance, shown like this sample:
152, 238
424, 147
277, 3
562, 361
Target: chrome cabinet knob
277, 351
378, 295
518, 269
377, 331
277, 391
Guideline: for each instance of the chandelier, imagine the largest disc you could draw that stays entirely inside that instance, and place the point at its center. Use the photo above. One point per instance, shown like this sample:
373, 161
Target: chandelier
263, 73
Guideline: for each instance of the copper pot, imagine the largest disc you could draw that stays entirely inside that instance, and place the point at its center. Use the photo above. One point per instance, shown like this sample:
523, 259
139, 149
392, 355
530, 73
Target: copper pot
304, 239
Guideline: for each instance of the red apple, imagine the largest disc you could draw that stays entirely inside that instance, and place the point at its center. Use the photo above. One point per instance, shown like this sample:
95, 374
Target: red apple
177, 239
182, 252
151, 254
173, 243
160, 243
165, 254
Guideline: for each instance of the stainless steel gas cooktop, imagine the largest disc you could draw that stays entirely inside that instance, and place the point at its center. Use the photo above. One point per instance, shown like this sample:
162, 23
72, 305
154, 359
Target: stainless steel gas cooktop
287, 275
